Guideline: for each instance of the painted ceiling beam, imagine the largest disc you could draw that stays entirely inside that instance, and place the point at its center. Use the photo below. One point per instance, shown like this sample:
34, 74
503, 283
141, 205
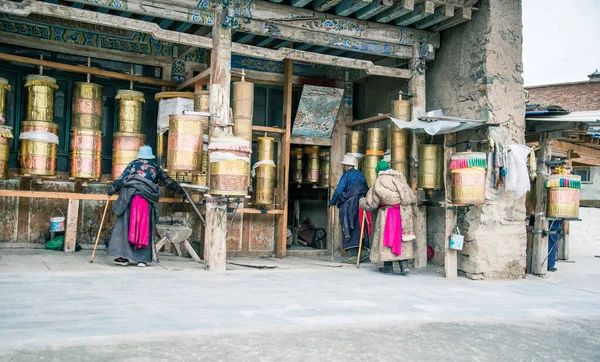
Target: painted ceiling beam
282, 44
440, 14
324, 5
400, 8
300, 3
184, 50
276, 1
337, 52
125, 14
319, 49
165, 23
303, 46
183, 27
376, 7
147, 18
277, 17
348, 7
28, 7
460, 16
422, 11
265, 42
102, 10
245, 38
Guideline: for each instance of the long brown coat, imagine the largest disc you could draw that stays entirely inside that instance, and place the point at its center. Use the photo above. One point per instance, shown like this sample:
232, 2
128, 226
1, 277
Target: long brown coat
390, 188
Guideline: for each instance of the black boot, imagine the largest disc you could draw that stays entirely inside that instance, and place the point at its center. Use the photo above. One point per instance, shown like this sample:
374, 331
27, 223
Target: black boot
387, 268
404, 267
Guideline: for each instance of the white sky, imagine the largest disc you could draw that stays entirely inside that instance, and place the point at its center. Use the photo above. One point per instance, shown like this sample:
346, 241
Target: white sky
561, 40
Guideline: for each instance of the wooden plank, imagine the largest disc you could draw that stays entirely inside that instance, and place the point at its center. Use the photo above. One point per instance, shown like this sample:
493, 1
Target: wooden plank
71, 227
201, 79
311, 141
422, 11
84, 70
416, 87
381, 117
215, 238
401, 8
376, 7
348, 7
461, 15
450, 255
324, 5
284, 162
440, 14
581, 150
268, 129
539, 261
564, 243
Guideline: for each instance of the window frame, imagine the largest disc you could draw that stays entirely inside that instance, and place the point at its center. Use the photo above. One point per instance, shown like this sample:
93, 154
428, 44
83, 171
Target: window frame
590, 171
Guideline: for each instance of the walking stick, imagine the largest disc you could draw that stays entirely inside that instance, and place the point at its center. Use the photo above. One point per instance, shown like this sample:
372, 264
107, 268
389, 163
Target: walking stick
331, 228
362, 232
100, 230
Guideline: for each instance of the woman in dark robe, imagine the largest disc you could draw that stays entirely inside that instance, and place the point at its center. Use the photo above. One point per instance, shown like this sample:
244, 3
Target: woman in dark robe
134, 232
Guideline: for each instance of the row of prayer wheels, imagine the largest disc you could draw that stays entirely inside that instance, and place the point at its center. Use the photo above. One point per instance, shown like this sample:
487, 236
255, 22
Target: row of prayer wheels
310, 165
129, 137
7, 136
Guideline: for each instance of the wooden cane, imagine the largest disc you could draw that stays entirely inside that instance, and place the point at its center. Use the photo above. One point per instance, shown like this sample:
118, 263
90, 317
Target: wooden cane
100, 230
362, 233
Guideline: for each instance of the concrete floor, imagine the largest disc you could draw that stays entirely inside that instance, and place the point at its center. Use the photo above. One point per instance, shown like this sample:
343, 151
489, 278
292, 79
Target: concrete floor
58, 307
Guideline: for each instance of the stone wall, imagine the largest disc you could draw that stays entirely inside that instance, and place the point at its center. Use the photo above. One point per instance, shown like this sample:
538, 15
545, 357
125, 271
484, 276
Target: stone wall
477, 74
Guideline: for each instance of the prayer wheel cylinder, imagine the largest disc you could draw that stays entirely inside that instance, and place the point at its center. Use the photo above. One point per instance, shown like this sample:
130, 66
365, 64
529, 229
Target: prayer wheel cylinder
369, 165
468, 185
229, 166
201, 101
400, 148
311, 164
376, 140
359, 161
86, 153
264, 192
86, 110
184, 150
202, 179
243, 108
125, 149
39, 126
355, 142
431, 172
130, 110
4, 89
40, 98
401, 110
4, 155
296, 165
563, 202
324, 169
37, 153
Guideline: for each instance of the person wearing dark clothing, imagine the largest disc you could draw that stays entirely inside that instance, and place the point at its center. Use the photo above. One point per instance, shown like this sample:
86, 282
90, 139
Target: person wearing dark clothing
555, 229
351, 187
136, 208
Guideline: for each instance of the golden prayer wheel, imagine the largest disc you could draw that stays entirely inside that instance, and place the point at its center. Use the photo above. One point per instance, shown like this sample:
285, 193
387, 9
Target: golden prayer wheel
39, 126
125, 149
37, 153
86, 153
130, 110
264, 192
311, 164
431, 172
242, 127
202, 101
184, 150
296, 164
468, 185
243, 108
266, 148
86, 111
355, 142
401, 110
376, 140
229, 166
4, 155
400, 148
369, 164
4, 89
401, 166
563, 202
40, 98
324, 169
359, 161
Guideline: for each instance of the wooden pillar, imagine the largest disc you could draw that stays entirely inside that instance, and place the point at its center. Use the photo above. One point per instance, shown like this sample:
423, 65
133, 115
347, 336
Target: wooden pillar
215, 244
284, 162
416, 86
539, 261
451, 255
71, 227
563, 242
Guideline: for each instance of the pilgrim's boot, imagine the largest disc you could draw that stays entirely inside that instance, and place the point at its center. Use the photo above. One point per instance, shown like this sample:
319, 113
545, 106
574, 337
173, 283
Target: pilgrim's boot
404, 267
387, 268
396, 267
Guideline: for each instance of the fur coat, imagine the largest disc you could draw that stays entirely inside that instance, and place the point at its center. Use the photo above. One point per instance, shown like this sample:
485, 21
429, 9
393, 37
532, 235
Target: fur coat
390, 188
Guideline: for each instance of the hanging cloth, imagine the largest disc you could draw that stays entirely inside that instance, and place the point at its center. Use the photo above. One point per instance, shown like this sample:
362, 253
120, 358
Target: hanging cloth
139, 223
392, 235
517, 176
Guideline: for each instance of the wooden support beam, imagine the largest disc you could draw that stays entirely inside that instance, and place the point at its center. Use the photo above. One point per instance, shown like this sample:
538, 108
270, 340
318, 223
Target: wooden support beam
581, 150
450, 255
416, 87
324, 5
421, 11
564, 242
84, 70
376, 7
71, 227
378, 118
461, 15
440, 14
268, 129
401, 8
300, 3
215, 242
284, 162
184, 50
202, 79
539, 260
311, 141
246, 38
348, 7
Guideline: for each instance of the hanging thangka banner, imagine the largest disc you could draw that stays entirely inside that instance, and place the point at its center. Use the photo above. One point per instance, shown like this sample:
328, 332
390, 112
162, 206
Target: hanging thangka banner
317, 111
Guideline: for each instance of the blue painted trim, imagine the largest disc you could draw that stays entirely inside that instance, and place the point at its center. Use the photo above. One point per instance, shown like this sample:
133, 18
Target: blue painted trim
148, 18
348, 7
303, 47
125, 14
103, 10
277, 1
284, 43
396, 11
165, 23
183, 27
265, 42
245, 38
78, 5
371, 10
300, 3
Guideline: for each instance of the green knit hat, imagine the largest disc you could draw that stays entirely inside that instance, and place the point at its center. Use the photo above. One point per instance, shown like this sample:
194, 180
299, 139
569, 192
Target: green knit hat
382, 166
